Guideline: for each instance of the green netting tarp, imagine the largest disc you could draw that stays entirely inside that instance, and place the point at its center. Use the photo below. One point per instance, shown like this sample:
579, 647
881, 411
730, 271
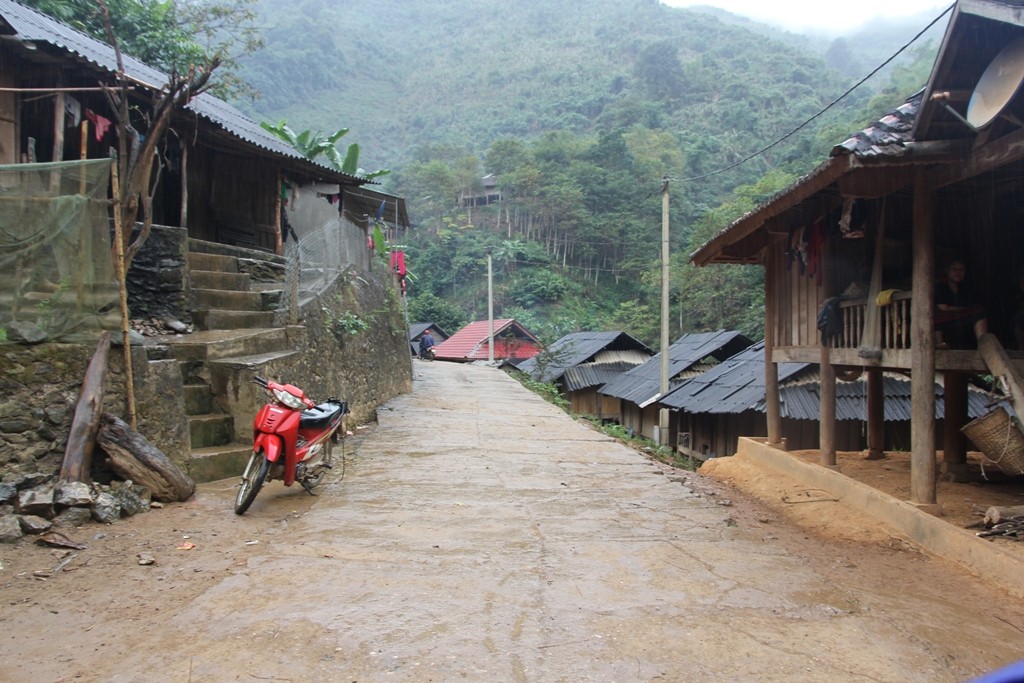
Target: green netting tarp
57, 279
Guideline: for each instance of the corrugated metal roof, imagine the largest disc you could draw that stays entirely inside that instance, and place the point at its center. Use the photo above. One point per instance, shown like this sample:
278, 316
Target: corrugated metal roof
593, 374
643, 383
733, 386
36, 27
580, 347
801, 401
417, 329
470, 343
737, 385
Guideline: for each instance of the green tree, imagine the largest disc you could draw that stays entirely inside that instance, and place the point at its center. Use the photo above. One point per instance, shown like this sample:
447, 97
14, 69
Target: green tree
425, 307
171, 36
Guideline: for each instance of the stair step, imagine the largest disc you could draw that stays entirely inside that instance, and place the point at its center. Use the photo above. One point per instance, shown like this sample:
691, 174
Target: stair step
213, 262
212, 429
218, 462
198, 399
223, 299
233, 320
253, 361
214, 344
210, 279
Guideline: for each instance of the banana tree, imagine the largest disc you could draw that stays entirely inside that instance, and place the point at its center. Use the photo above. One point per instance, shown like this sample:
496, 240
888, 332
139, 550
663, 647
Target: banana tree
315, 144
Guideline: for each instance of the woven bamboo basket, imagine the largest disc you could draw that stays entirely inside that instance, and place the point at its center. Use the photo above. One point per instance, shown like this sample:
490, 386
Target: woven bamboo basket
999, 438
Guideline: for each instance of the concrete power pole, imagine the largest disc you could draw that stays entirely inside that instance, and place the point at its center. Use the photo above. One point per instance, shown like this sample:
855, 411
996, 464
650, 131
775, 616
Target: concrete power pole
663, 414
490, 310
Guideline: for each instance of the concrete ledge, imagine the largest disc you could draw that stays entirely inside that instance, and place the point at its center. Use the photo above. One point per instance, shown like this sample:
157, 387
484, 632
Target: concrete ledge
940, 538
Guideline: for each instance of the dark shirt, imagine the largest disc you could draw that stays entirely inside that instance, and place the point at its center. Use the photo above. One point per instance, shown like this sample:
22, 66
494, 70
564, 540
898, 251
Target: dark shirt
963, 298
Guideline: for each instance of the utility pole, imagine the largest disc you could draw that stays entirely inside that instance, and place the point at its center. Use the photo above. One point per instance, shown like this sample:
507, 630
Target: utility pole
663, 414
490, 309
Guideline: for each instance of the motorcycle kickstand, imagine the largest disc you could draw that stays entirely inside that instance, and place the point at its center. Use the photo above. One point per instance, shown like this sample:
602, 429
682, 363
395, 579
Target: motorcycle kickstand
309, 489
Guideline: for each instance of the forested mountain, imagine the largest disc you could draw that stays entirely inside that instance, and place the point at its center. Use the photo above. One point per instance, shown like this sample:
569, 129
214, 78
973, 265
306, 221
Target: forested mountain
578, 109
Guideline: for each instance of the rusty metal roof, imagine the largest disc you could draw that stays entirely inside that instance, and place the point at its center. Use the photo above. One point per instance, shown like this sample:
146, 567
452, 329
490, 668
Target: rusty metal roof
511, 341
577, 348
887, 136
34, 27
642, 384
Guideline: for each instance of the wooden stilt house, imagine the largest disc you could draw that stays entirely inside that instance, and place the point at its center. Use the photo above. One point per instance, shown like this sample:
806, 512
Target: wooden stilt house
854, 251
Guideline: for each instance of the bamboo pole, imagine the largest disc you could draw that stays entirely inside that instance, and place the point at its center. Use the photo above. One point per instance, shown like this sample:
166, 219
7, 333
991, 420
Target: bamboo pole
122, 282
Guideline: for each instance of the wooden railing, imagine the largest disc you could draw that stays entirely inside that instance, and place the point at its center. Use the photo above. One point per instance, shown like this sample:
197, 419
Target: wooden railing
894, 330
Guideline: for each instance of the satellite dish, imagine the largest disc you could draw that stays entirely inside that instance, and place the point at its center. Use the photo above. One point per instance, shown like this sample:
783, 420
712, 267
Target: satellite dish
998, 85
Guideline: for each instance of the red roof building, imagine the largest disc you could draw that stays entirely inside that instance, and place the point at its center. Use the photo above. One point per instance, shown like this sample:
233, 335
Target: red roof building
512, 342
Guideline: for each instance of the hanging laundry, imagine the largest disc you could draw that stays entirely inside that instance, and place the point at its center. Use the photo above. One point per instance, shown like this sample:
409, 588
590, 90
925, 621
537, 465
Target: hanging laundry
851, 224
830, 319
99, 122
72, 112
398, 262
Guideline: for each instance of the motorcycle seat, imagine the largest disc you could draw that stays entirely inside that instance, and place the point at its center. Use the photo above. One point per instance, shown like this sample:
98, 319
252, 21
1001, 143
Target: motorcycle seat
321, 415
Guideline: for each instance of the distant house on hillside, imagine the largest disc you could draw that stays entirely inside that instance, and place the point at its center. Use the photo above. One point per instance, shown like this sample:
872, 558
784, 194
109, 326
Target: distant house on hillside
512, 343
488, 193
417, 330
638, 389
582, 362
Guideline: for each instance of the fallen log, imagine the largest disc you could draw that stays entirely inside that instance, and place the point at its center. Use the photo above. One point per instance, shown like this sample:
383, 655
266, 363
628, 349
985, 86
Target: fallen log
133, 457
78, 453
999, 514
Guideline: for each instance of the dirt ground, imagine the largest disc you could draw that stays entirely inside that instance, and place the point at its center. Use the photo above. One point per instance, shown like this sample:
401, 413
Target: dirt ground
963, 503
468, 540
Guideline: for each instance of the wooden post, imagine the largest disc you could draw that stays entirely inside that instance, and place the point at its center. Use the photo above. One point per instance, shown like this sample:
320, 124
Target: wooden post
58, 138
771, 370
827, 410
122, 281
278, 237
954, 443
922, 350
184, 186
876, 415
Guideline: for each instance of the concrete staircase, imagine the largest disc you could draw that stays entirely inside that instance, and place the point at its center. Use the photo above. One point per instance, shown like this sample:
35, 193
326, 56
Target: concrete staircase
236, 337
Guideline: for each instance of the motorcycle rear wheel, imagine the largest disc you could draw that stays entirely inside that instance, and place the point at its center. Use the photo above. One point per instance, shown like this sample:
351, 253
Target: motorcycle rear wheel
252, 481
320, 464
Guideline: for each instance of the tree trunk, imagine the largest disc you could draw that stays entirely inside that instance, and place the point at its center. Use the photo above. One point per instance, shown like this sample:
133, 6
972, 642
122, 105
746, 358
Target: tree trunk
82, 439
133, 457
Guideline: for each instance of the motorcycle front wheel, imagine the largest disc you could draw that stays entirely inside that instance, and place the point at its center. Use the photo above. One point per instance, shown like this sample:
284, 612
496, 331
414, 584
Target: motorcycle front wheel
252, 481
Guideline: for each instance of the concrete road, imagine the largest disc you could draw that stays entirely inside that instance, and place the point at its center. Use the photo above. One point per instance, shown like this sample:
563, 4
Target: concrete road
481, 534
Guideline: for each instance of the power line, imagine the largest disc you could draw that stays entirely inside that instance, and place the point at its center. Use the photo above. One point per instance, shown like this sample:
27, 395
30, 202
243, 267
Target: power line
822, 111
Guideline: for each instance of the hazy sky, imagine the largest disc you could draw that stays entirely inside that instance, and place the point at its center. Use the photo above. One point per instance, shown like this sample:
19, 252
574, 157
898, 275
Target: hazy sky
832, 16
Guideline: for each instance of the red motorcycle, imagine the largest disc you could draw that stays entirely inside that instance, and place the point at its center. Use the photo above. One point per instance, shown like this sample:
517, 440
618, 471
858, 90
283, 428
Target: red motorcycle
293, 440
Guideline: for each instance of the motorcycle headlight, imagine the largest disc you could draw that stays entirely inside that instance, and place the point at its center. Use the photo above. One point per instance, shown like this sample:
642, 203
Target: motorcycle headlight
290, 400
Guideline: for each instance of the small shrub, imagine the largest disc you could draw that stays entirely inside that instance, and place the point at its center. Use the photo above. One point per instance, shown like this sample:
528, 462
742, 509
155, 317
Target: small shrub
349, 323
